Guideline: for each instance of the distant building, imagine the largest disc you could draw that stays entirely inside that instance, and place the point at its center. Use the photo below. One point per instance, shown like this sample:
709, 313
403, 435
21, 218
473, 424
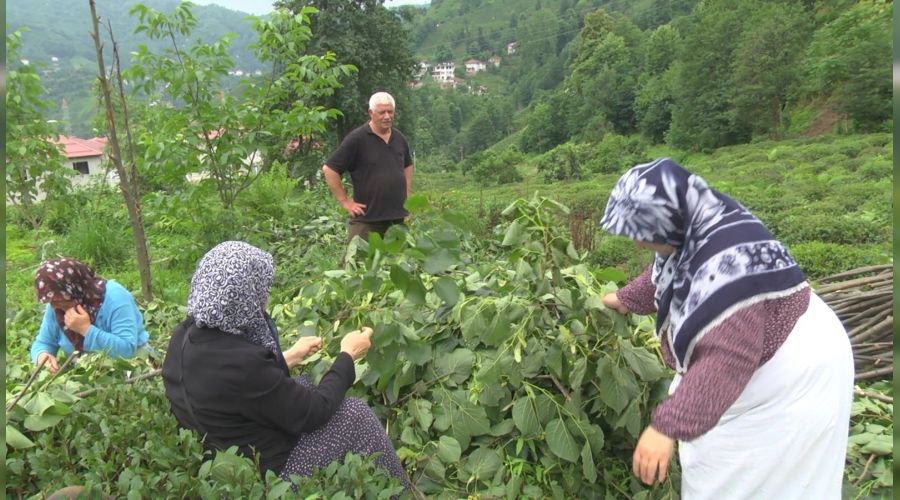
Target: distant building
474, 66
495, 60
85, 156
511, 47
443, 72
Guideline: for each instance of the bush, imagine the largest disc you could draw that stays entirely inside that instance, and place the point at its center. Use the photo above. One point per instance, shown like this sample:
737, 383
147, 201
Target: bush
100, 242
850, 229
271, 194
819, 259
620, 252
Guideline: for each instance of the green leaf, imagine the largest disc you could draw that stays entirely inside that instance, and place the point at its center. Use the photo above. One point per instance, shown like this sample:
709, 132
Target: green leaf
880, 445
40, 422
515, 234
399, 277
279, 490
421, 412
415, 292
483, 462
588, 467
612, 394
576, 376
447, 290
418, 352
630, 419
448, 449
499, 329
641, 362
416, 203
439, 261
473, 323
525, 417
16, 439
561, 443
458, 365
611, 274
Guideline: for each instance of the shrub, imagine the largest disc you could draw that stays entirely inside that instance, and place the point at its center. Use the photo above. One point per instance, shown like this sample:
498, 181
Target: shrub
617, 153
819, 259
271, 194
101, 242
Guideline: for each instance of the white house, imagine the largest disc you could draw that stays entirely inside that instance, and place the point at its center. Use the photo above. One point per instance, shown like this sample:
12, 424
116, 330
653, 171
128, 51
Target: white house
443, 71
511, 47
495, 60
86, 157
474, 66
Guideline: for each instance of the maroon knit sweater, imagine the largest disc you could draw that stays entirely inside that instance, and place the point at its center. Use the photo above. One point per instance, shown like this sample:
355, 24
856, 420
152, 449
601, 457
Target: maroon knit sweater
722, 361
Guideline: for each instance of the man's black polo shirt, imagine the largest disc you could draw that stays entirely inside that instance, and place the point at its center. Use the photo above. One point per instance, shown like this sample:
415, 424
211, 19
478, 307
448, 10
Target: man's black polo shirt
376, 172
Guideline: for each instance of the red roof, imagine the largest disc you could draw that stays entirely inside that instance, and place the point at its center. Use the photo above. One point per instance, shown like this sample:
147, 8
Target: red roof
82, 148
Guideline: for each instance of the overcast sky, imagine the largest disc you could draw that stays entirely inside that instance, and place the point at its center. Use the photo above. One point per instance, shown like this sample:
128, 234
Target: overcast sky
261, 7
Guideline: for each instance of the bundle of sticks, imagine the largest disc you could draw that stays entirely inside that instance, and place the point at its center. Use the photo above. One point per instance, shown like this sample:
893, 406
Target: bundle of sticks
863, 300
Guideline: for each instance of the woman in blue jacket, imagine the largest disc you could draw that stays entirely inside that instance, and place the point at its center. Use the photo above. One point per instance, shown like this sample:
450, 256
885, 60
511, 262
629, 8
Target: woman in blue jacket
85, 313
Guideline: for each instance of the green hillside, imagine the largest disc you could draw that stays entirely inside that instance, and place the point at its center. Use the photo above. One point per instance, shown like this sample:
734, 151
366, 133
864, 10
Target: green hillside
58, 43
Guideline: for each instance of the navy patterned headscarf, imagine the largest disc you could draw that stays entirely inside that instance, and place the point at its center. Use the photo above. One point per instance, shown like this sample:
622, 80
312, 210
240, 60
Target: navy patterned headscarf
725, 258
229, 292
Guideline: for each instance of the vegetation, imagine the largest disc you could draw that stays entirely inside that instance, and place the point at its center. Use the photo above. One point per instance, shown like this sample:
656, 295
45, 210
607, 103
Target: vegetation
496, 369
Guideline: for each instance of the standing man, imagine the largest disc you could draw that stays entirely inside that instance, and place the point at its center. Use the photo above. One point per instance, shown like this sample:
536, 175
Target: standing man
381, 171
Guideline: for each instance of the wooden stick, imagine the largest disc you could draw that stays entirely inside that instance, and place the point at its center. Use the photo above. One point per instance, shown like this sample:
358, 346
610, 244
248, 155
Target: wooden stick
880, 372
558, 386
849, 284
865, 471
27, 384
858, 271
859, 333
873, 395
150, 374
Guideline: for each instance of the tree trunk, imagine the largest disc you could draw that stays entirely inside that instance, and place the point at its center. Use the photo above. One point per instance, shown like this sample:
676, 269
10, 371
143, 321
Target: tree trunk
132, 198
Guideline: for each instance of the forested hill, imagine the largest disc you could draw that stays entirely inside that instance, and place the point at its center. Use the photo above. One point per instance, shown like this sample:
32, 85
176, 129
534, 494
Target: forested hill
694, 75
61, 29
58, 43
480, 28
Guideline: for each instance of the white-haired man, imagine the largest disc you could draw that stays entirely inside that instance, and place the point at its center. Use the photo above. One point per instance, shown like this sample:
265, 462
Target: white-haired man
381, 171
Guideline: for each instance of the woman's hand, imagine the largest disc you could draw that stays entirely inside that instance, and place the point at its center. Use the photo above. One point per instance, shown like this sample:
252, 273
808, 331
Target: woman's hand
77, 320
651, 456
357, 342
51, 363
611, 300
301, 349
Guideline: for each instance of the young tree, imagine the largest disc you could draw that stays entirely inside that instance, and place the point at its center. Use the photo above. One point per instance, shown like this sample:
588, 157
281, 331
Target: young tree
128, 177
33, 160
191, 125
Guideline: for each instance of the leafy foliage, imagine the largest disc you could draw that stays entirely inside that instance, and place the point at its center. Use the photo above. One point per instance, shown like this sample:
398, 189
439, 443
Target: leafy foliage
516, 351
227, 140
34, 161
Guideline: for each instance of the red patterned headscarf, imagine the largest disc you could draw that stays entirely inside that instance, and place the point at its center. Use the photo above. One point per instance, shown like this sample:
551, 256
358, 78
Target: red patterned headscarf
69, 279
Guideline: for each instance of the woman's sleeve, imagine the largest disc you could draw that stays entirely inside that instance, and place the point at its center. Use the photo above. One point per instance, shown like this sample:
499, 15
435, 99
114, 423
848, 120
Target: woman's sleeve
638, 296
118, 335
47, 339
278, 401
721, 366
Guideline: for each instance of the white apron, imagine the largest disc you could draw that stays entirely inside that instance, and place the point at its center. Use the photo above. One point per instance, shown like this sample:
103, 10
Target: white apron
786, 435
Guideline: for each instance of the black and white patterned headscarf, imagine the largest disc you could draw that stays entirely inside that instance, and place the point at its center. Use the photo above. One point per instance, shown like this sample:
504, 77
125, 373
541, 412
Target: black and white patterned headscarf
725, 258
230, 289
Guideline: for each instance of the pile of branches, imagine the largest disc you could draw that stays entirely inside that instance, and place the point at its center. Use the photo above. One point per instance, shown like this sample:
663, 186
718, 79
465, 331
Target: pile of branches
863, 300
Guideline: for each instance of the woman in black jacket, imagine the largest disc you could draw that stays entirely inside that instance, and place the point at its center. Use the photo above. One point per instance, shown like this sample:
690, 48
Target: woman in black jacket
227, 378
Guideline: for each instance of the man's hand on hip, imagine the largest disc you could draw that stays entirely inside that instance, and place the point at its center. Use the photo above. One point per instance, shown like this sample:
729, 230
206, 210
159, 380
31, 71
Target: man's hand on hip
353, 208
